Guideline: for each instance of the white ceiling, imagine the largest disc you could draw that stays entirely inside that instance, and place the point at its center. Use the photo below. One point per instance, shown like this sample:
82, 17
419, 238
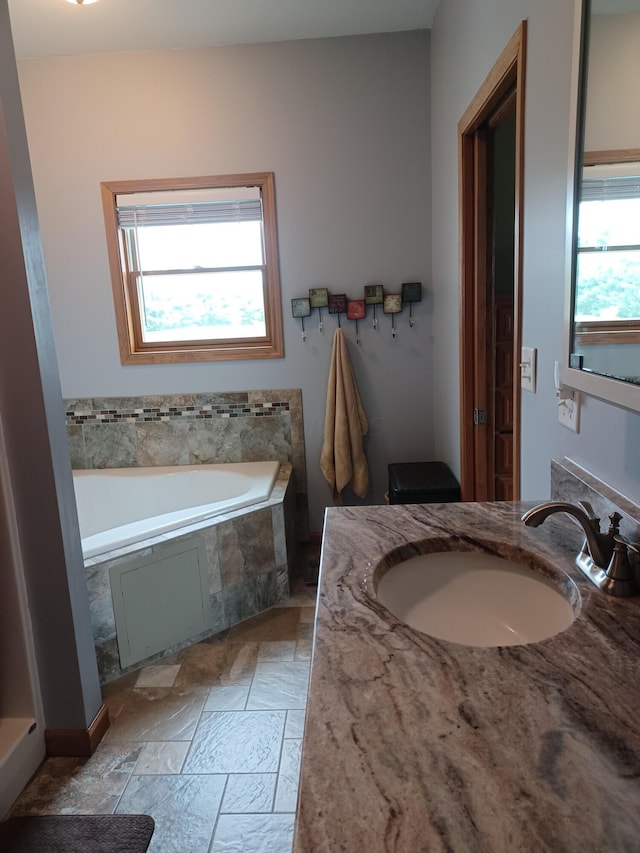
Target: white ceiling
56, 27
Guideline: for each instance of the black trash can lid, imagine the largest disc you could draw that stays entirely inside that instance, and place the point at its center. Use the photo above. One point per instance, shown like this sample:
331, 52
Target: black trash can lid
407, 477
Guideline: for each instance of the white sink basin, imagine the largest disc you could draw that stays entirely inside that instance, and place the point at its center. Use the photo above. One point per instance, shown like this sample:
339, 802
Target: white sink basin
475, 599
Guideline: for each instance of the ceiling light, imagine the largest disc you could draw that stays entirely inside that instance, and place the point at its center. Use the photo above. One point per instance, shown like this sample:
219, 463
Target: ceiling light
82, 2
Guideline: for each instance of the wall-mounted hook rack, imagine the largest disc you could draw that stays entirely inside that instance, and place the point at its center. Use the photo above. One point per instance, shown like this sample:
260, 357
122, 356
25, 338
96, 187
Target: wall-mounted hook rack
356, 309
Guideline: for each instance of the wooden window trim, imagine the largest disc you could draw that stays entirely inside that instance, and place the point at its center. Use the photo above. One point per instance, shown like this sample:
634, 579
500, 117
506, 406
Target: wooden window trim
589, 332
132, 348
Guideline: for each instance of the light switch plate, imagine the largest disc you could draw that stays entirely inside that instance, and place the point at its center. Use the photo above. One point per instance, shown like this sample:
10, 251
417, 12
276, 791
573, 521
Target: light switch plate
528, 357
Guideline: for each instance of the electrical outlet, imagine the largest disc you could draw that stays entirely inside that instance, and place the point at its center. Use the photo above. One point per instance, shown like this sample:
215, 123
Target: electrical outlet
569, 410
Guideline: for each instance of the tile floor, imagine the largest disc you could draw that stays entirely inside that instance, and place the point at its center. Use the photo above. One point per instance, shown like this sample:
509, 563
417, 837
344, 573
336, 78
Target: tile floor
207, 742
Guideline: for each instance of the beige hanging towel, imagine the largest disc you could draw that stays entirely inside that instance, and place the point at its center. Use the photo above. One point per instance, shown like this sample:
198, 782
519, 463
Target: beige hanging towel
342, 459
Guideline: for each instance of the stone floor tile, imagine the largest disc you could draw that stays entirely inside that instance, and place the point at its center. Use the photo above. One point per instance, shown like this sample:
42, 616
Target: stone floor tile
80, 785
294, 727
116, 693
288, 777
210, 664
277, 650
184, 808
279, 623
307, 614
162, 757
237, 742
227, 697
279, 685
254, 833
158, 713
249, 793
304, 650
158, 675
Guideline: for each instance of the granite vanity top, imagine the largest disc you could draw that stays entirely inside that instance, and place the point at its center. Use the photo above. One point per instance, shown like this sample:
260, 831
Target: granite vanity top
416, 744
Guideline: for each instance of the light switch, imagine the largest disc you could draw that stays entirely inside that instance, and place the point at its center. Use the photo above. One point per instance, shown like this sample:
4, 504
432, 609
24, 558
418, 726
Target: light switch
528, 368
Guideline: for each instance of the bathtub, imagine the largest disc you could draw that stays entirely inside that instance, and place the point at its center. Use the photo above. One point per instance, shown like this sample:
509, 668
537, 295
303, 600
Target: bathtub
121, 506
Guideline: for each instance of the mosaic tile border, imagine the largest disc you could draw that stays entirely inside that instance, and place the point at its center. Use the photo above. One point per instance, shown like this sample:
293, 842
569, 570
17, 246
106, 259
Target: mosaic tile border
81, 416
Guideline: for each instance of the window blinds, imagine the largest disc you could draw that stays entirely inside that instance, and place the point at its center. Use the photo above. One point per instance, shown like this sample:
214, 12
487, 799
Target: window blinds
189, 207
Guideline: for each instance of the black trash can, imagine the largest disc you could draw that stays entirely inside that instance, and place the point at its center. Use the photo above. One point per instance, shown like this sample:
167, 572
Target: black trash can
422, 483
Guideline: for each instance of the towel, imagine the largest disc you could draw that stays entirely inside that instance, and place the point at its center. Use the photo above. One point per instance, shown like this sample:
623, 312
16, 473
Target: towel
342, 459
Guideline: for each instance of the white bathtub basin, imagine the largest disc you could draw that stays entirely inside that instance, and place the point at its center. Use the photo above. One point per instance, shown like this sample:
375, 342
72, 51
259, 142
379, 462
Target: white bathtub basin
475, 599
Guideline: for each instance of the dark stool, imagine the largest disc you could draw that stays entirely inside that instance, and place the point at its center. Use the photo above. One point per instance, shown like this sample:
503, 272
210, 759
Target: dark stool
422, 483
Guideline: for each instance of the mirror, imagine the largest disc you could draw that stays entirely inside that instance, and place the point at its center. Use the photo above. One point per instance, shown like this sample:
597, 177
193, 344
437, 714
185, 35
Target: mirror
604, 316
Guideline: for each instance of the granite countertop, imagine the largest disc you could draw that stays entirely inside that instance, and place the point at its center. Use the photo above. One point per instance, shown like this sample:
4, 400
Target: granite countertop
416, 744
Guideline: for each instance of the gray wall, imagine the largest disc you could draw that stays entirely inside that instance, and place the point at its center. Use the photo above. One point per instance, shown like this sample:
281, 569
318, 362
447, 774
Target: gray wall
32, 415
343, 123
466, 40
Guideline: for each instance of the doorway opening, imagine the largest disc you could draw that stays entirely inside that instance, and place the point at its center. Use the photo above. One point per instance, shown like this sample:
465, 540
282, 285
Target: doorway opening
491, 142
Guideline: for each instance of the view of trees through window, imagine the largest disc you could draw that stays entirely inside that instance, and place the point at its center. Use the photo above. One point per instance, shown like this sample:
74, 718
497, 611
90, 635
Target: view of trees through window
201, 281
608, 265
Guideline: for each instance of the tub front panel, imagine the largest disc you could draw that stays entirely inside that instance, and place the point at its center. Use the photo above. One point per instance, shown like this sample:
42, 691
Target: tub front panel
248, 566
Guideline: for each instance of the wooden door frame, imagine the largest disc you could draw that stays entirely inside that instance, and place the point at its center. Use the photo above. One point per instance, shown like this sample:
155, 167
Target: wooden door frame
508, 73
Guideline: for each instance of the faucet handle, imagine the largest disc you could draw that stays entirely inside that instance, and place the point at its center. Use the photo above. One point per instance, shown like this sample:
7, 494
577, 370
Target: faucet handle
620, 575
614, 526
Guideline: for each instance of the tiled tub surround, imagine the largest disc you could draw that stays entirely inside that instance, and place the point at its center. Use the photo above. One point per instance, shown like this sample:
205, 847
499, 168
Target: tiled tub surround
191, 429
249, 558
416, 744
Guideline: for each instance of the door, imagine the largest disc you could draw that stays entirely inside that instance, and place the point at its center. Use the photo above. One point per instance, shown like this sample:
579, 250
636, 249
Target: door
491, 160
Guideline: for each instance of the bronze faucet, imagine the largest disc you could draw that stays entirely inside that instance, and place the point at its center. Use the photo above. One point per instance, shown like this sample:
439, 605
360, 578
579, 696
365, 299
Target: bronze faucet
604, 557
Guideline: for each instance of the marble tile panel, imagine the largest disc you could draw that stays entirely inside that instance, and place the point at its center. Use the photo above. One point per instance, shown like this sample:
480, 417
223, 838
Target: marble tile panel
279, 535
249, 793
253, 595
184, 808
83, 405
215, 440
237, 742
266, 438
219, 621
255, 539
110, 445
294, 727
254, 834
230, 556
279, 685
158, 675
288, 777
76, 446
212, 549
217, 664
162, 443
158, 713
164, 401
277, 650
281, 585
227, 697
117, 403
279, 623
161, 757
103, 622
78, 785
108, 660
215, 398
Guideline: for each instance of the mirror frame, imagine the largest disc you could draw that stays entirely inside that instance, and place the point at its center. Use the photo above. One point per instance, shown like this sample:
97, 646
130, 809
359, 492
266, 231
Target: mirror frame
624, 394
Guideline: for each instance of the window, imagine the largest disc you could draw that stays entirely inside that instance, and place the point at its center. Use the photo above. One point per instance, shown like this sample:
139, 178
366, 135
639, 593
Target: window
194, 268
607, 305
